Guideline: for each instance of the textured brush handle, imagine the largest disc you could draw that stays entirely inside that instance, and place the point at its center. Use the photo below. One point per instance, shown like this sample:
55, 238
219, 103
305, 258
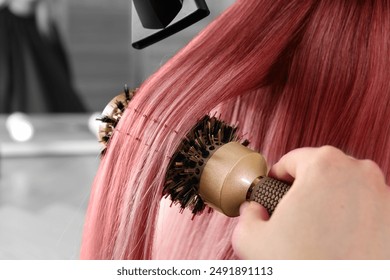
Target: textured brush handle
267, 192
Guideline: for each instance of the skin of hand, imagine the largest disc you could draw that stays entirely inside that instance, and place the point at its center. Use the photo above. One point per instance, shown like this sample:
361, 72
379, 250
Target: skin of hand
337, 208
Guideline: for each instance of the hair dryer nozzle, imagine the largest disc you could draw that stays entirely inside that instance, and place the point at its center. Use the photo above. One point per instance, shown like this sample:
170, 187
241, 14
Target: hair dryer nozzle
155, 20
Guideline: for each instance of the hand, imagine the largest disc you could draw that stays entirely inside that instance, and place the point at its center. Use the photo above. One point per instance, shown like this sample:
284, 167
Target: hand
337, 208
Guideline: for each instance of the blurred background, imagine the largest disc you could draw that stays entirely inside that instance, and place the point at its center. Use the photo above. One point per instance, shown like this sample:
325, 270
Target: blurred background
61, 61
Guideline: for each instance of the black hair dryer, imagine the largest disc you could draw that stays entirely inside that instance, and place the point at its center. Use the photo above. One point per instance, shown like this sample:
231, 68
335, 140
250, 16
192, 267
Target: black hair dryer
154, 20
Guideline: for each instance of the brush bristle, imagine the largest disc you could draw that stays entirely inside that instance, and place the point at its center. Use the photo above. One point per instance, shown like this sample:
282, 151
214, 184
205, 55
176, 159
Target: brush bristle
186, 166
116, 108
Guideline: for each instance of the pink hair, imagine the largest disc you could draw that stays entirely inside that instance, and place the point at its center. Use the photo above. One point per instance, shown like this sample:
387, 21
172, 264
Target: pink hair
290, 73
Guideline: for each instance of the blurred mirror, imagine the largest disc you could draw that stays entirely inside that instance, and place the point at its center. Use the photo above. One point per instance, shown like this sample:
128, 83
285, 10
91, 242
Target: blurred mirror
61, 61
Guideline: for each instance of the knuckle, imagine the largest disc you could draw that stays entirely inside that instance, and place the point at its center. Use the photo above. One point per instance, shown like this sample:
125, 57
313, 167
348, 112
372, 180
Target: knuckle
372, 173
371, 168
329, 151
369, 164
327, 155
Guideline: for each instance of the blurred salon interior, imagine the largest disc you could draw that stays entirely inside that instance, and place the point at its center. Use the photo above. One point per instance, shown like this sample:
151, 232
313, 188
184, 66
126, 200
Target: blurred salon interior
61, 62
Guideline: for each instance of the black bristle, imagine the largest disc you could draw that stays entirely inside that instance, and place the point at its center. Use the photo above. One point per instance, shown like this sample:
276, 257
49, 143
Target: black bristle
185, 168
106, 119
103, 152
120, 106
127, 92
245, 143
105, 138
116, 109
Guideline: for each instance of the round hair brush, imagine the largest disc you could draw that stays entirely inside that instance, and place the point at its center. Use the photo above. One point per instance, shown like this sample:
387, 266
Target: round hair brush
112, 114
213, 167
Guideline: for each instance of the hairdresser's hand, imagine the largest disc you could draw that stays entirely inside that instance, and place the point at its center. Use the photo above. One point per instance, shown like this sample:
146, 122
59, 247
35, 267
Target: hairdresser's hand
337, 208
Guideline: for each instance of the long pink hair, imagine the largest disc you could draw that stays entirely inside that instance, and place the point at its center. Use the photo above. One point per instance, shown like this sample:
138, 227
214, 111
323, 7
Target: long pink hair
289, 73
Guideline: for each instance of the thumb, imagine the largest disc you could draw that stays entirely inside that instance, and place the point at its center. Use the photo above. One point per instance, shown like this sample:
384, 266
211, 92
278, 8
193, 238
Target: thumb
252, 220
253, 211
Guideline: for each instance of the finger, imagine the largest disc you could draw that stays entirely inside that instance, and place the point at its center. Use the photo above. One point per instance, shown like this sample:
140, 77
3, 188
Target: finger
252, 216
252, 219
253, 211
286, 168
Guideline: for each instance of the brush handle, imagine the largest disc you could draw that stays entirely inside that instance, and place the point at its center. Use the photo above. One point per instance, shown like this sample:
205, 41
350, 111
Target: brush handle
267, 191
